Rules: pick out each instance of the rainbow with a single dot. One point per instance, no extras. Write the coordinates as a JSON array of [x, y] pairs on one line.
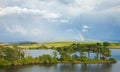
[[82, 37]]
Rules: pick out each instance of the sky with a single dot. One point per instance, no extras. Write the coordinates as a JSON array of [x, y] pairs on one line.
[[54, 20]]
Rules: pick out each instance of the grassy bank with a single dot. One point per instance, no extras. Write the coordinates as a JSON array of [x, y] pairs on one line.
[[37, 61], [114, 47], [60, 44], [50, 45]]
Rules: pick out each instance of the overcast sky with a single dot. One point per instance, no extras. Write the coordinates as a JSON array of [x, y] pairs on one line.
[[46, 20]]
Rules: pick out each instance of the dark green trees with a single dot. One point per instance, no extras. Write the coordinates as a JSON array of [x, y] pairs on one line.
[[10, 54], [68, 53]]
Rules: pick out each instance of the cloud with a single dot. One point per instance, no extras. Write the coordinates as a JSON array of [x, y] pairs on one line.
[[64, 7], [64, 21], [113, 10], [69, 30], [19, 10], [2, 2], [85, 28], [16, 29], [43, 18]]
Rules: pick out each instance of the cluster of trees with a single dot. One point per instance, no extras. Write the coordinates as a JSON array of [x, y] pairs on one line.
[[82, 52], [24, 43], [16, 56], [9, 55], [41, 59]]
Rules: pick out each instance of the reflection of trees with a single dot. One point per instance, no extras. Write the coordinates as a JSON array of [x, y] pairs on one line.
[[84, 67], [60, 68], [66, 68], [107, 67], [96, 67]]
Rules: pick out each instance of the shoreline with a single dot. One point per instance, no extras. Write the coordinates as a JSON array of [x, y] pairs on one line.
[[22, 64]]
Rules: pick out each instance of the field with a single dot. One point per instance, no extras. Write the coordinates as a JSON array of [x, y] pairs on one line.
[[55, 44], [51, 44]]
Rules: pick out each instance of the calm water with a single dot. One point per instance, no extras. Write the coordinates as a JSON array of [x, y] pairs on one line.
[[65, 67]]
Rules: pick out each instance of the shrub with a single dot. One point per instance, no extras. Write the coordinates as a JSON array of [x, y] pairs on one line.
[[112, 60]]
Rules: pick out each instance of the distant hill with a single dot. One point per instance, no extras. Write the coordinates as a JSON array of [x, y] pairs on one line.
[[59, 43], [24, 43], [51, 44]]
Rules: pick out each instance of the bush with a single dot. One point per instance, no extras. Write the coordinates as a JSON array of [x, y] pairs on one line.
[[4, 62], [112, 60]]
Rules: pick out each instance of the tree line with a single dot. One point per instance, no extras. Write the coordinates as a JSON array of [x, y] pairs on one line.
[[83, 52]]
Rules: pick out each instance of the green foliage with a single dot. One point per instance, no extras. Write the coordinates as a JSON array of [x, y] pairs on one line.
[[106, 43], [4, 62], [9, 55], [67, 53], [24, 43], [112, 60], [47, 59]]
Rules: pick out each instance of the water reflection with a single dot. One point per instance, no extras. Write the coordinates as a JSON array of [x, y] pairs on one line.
[[84, 68], [60, 68], [36, 53]]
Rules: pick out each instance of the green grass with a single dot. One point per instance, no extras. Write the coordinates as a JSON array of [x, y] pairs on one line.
[[114, 47], [59, 44], [55, 44], [51, 44]]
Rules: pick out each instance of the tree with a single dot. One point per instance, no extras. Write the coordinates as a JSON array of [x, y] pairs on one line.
[[10, 54], [106, 44], [106, 53], [98, 50]]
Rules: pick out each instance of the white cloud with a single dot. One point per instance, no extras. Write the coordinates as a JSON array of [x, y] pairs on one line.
[[16, 29], [54, 8], [12, 0], [24, 31], [69, 30], [71, 8], [19, 10], [111, 10], [85, 28], [64, 21]]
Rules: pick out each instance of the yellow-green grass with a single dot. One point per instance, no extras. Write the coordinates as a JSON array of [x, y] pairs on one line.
[[51, 44], [114, 47], [5, 45], [55, 44]]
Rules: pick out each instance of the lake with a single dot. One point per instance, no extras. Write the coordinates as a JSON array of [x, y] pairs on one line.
[[65, 67]]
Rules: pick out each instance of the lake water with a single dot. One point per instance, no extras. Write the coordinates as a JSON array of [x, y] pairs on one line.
[[65, 67]]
